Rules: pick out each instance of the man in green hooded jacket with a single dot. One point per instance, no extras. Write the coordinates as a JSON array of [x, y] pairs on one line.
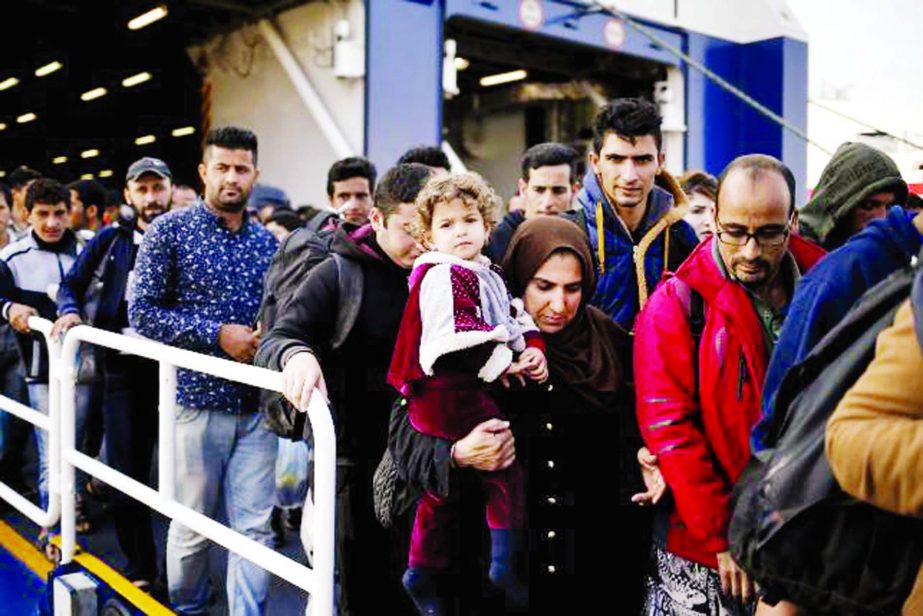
[[856, 187]]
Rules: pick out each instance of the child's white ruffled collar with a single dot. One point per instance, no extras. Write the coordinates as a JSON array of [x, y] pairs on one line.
[[436, 258]]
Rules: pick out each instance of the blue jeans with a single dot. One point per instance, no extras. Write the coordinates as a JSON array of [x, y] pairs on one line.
[[38, 395], [234, 453]]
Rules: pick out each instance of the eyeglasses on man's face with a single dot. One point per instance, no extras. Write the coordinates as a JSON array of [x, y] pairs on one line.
[[771, 236]]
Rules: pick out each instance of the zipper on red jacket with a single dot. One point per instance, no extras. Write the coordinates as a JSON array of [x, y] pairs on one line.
[[741, 375]]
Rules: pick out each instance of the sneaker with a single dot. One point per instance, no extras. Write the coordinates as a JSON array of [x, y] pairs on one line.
[[293, 519], [97, 490]]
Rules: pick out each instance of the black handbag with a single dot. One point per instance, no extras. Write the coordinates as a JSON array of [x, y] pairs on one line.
[[392, 497], [793, 529]]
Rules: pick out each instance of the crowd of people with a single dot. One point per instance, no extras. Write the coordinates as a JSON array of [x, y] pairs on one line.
[[595, 373]]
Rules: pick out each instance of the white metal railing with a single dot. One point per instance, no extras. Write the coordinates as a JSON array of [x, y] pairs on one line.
[[45, 518], [64, 457], [317, 581]]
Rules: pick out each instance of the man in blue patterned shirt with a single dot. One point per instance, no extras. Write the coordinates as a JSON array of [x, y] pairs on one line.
[[198, 285]]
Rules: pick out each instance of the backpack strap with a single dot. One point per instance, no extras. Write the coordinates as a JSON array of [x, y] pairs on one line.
[[696, 326], [696, 315], [694, 307], [351, 287], [322, 220], [580, 218], [104, 263], [94, 289]]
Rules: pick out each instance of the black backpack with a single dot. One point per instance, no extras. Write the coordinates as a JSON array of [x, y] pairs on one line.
[[793, 529], [298, 254]]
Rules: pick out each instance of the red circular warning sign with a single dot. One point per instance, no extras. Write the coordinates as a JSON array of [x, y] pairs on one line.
[[532, 14], [614, 33]]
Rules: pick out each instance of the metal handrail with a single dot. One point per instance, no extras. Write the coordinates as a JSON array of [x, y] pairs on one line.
[[318, 581], [51, 424]]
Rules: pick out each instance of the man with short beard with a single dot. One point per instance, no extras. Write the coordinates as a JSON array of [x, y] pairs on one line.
[[698, 392], [130, 382], [635, 229], [636, 234], [198, 285]]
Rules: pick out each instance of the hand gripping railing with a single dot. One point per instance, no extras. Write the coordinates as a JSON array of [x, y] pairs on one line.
[[317, 581], [51, 424]]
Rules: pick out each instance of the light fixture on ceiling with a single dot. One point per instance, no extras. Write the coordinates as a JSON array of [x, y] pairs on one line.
[[461, 63], [26, 117], [2, 126], [105, 173], [86, 176], [48, 69], [93, 94], [59, 160], [183, 131], [89, 153], [134, 80], [146, 19], [145, 139], [8, 83], [499, 78]]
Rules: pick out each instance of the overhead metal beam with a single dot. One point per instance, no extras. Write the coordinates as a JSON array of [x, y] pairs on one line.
[[247, 10], [228, 5], [306, 91]]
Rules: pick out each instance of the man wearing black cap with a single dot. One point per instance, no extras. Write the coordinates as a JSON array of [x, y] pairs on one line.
[[130, 402]]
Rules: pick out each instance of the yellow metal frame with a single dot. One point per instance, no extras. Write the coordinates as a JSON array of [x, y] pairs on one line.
[[24, 551]]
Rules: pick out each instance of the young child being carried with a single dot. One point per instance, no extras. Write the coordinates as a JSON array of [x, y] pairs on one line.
[[461, 332]]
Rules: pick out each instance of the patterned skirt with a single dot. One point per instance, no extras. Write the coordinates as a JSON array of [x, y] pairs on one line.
[[680, 587]]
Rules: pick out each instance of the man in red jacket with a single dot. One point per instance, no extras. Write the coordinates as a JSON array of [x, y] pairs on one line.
[[703, 343]]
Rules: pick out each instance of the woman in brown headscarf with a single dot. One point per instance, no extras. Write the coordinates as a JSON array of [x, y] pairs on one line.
[[548, 264], [567, 431]]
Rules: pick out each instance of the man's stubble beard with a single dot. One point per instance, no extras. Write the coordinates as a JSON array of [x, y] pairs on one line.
[[616, 203], [148, 218], [232, 207]]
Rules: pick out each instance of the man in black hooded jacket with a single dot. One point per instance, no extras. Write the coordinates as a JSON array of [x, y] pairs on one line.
[[299, 344]]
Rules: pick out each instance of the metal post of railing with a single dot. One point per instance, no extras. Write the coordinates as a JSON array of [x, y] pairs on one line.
[[17, 500], [67, 360], [319, 580], [324, 491], [166, 446], [49, 422], [56, 489]]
